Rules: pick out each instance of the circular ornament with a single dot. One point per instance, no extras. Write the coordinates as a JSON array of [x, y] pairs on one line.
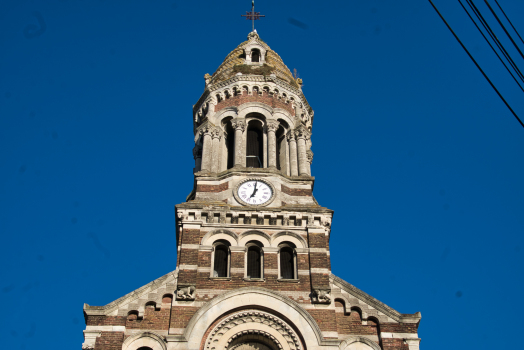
[[254, 192]]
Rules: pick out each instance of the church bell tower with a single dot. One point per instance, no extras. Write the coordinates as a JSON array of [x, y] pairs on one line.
[[253, 267], [252, 213]]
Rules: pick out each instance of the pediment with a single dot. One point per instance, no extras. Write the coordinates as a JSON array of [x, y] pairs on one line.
[[370, 307], [137, 299]]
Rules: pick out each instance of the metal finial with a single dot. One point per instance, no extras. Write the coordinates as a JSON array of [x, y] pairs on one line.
[[253, 16]]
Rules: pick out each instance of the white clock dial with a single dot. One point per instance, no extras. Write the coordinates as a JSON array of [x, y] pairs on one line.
[[255, 192]]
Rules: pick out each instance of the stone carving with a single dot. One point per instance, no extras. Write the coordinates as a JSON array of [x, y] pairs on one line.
[[253, 318], [206, 129], [272, 125], [238, 124], [302, 133], [234, 219], [207, 78], [273, 220], [186, 293], [290, 136], [309, 154], [322, 296], [216, 133], [285, 220], [88, 346]]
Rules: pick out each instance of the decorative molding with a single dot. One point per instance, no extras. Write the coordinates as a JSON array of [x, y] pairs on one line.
[[251, 320], [145, 339], [359, 339]]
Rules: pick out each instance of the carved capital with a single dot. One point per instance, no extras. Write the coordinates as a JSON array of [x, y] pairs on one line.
[[302, 133], [88, 346], [206, 129], [238, 124], [291, 136], [216, 133], [186, 292], [272, 125], [322, 295]]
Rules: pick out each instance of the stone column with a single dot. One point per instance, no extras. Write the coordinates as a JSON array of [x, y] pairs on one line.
[[197, 154], [293, 163], [207, 149], [272, 127], [239, 125], [303, 164], [215, 162]]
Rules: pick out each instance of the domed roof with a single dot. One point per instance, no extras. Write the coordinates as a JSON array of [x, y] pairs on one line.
[[235, 62]]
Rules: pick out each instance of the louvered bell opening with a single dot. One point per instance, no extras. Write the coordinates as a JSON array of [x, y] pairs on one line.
[[253, 263], [286, 264], [220, 266], [230, 145], [255, 56], [254, 148]]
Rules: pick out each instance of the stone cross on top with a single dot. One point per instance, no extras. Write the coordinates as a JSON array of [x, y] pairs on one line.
[[252, 15]]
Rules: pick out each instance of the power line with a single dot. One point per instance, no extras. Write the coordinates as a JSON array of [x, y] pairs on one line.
[[502, 25], [476, 64], [495, 51], [494, 38], [509, 21]]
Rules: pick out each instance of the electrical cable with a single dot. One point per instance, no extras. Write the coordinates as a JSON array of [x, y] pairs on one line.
[[476, 64], [509, 21], [495, 39], [495, 51], [503, 27]]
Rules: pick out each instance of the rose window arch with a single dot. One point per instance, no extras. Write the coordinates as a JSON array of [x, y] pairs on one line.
[[252, 330]]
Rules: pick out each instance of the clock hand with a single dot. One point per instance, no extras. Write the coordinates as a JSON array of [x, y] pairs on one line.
[[254, 191]]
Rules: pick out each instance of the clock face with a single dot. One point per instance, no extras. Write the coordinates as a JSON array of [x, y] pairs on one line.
[[255, 192]]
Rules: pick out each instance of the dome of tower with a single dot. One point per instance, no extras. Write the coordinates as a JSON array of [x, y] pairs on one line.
[[239, 61]]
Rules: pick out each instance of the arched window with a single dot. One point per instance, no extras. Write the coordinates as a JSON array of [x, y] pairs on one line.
[[221, 259], [254, 151], [254, 260], [255, 55], [288, 261], [230, 144]]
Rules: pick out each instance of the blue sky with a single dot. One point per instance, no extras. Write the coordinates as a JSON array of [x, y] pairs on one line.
[[414, 151]]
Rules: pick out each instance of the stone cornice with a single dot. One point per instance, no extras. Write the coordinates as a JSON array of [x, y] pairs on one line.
[[253, 78], [137, 293], [378, 305]]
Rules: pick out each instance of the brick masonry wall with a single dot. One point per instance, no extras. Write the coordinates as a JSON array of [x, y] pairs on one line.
[[153, 319], [110, 341], [317, 240], [296, 191], [190, 236], [394, 344], [325, 318], [399, 327], [105, 320], [238, 100], [180, 315], [350, 323], [213, 188]]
